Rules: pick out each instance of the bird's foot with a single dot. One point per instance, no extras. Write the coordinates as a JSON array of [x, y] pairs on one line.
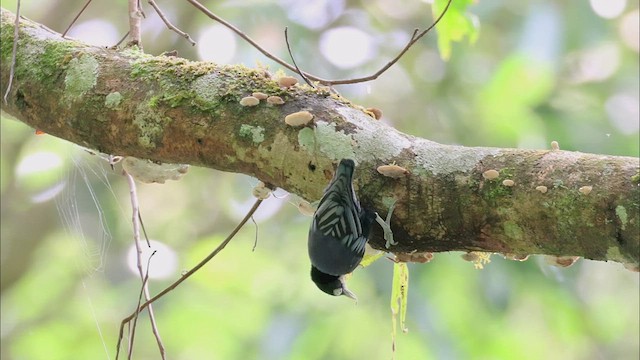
[[386, 226]]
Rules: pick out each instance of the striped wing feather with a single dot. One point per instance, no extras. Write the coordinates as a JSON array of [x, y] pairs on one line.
[[338, 217]]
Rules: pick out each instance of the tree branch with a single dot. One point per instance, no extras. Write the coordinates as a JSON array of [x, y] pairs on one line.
[[135, 19], [174, 110]]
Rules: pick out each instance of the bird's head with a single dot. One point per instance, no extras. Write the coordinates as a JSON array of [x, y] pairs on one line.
[[331, 284]]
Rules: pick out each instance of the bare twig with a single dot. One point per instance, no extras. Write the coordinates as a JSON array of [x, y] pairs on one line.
[[255, 242], [13, 51], [144, 231], [188, 273], [135, 16], [144, 16], [121, 40], [145, 287], [415, 37], [169, 24], [286, 39], [76, 18], [246, 38], [135, 320]]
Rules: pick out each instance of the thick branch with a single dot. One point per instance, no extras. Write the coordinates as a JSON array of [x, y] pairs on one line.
[[173, 110]]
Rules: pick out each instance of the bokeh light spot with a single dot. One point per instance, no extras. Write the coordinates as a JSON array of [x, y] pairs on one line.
[[628, 29], [216, 44], [623, 112], [346, 47], [38, 162], [162, 265], [608, 9], [95, 32]]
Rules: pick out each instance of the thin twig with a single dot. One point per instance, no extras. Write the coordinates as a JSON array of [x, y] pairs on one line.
[[286, 39], [144, 16], [16, 31], [255, 242], [246, 38], [135, 16], [135, 320], [169, 24], [413, 40], [136, 237], [415, 37], [121, 40], [188, 273], [76, 18], [144, 231]]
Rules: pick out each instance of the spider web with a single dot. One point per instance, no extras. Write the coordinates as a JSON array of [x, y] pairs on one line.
[[81, 212], [87, 223]]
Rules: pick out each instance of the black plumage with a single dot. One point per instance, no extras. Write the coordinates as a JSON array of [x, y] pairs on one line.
[[338, 233]]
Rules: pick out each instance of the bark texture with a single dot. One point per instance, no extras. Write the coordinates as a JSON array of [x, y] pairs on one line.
[[170, 109]]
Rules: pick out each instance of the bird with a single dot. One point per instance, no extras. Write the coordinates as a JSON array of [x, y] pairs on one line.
[[339, 232]]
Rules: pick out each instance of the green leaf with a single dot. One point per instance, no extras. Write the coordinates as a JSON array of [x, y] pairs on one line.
[[455, 25]]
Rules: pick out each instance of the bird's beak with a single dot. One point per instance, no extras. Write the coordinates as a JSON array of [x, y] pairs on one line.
[[346, 292]]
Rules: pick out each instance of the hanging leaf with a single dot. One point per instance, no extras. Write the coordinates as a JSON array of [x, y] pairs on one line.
[[399, 294]]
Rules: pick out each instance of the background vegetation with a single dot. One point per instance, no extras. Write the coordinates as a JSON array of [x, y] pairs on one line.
[[538, 71]]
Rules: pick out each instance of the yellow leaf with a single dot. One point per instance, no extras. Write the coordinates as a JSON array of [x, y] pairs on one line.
[[399, 295]]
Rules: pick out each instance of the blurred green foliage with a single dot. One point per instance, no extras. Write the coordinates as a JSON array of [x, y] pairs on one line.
[[537, 71], [457, 25]]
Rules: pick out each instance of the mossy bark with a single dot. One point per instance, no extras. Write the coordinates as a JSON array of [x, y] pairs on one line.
[[174, 110]]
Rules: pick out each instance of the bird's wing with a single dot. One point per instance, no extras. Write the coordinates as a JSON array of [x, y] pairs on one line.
[[338, 218]]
